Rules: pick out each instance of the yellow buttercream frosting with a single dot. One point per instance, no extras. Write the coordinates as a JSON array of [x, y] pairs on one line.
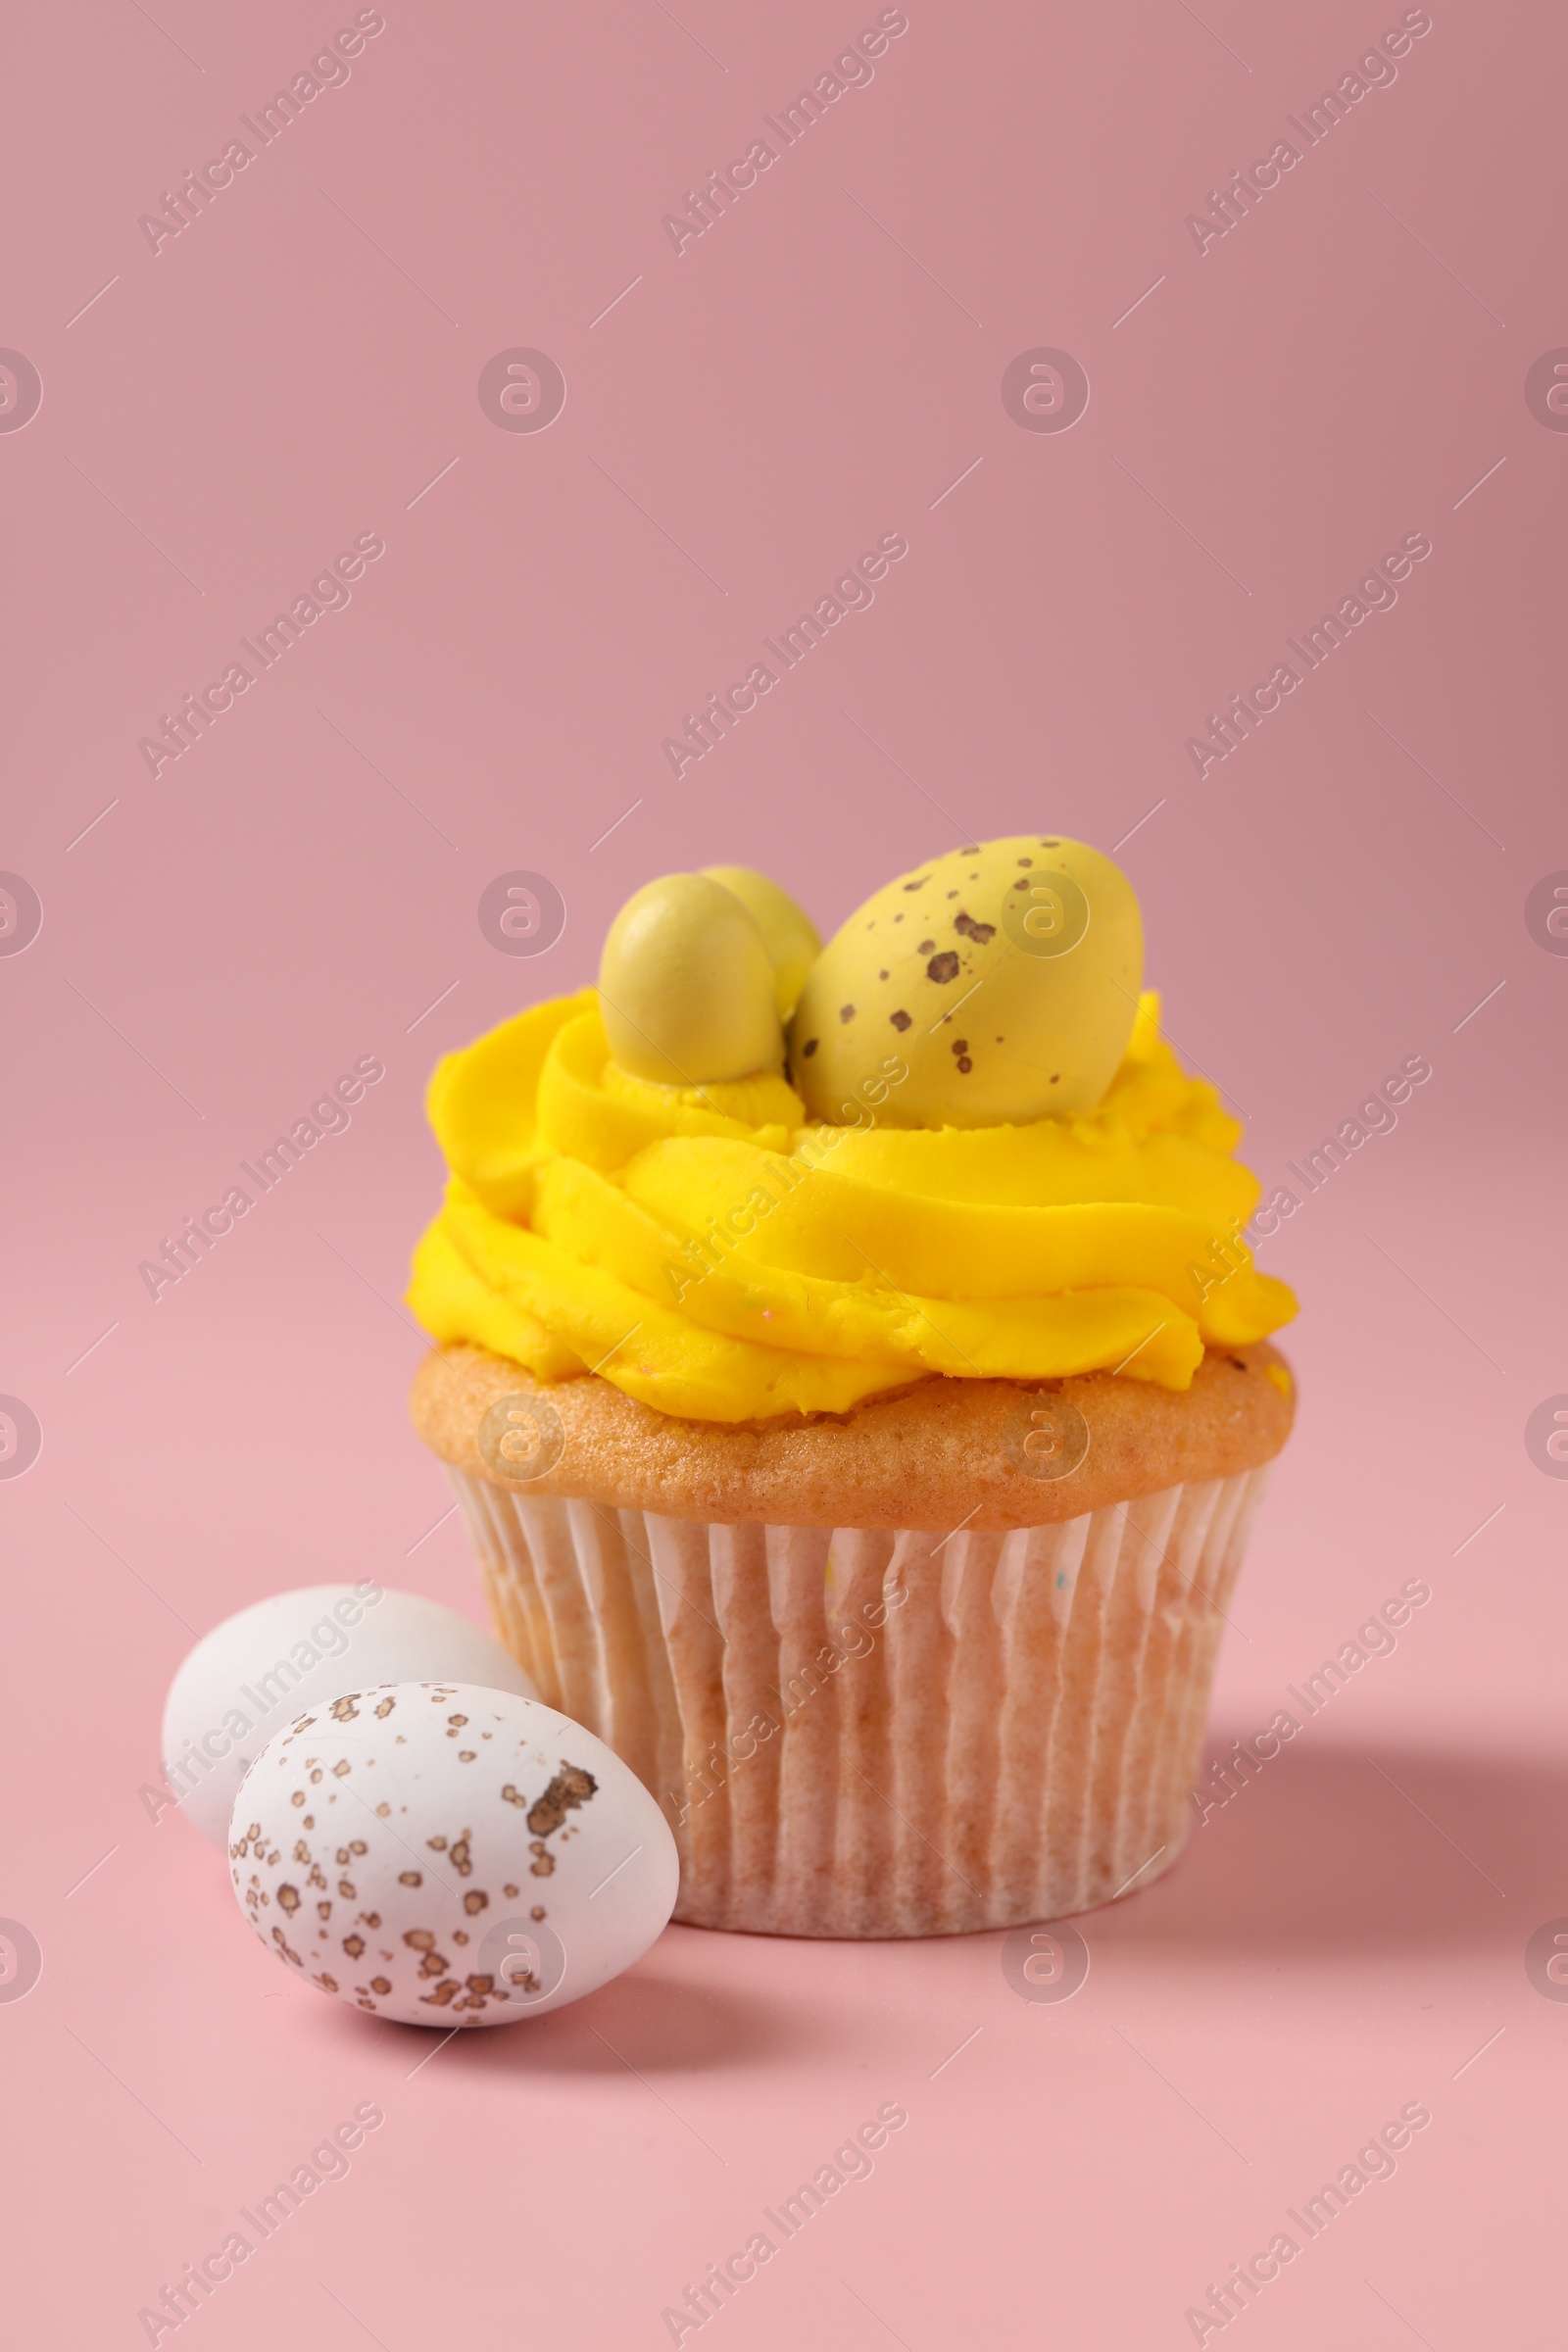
[[718, 1255]]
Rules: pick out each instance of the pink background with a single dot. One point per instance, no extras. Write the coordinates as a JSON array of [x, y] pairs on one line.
[[300, 889]]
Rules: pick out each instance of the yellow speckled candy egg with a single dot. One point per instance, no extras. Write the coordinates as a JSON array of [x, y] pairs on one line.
[[1005, 976]]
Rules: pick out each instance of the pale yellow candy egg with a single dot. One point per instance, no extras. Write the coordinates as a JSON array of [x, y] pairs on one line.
[[1005, 977], [790, 936], [686, 986]]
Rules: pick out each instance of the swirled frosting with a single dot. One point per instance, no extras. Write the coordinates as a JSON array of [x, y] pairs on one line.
[[718, 1256]]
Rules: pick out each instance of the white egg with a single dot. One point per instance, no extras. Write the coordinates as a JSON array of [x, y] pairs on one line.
[[449, 1855], [253, 1674]]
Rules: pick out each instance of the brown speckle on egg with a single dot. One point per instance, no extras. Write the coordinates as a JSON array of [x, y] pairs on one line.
[[568, 1788], [982, 934]]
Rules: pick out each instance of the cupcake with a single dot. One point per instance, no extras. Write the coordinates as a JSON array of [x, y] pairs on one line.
[[855, 1376]]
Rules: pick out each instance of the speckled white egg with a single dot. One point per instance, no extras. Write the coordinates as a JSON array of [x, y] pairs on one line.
[[253, 1674], [449, 1855]]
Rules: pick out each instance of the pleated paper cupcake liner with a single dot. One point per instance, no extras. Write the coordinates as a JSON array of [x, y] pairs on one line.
[[864, 1731]]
